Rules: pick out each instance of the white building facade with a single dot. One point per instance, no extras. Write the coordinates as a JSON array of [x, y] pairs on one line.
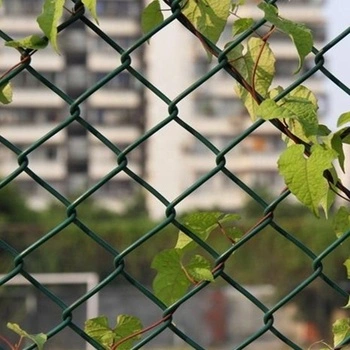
[[172, 159]]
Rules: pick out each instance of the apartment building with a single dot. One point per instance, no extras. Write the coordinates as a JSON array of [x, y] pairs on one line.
[[214, 111], [74, 159]]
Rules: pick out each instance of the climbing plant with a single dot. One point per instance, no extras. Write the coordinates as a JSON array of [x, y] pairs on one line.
[[309, 163]]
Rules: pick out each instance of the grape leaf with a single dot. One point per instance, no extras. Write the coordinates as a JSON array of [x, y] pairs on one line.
[[347, 265], [241, 24], [171, 282], [341, 221], [98, 329], [229, 218], [6, 93], [257, 67], [341, 330], [91, 6], [199, 268], [300, 109], [38, 339], [299, 33], [48, 20], [304, 176], [34, 42], [151, 16], [203, 224], [209, 17], [343, 119], [334, 141], [127, 325]]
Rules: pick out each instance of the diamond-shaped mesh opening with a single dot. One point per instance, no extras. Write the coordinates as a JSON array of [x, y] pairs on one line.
[[92, 119]]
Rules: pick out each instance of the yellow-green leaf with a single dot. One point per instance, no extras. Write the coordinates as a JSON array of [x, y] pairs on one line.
[[171, 282], [304, 176], [151, 17], [91, 6], [127, 325], [98, 329], [241, 24], [299, 33], [48, 20], [34, 42], [257, 67], [199, 268], [343, 119], [301, 109], [209, 17], [341, 221], [341, 330], [347, 265], [6, 94], [38, 339]]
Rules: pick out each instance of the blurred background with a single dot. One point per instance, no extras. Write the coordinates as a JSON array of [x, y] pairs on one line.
[[121, 211]]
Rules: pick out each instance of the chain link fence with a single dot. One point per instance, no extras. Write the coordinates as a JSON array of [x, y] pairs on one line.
[[120, 271]]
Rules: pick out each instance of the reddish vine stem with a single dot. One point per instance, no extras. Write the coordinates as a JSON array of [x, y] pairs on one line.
[[23, 59], [239, 78], [5, 341], [142, 331], [264, 39]]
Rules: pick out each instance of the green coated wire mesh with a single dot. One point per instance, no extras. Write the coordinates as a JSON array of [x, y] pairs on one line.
[[75, 107]]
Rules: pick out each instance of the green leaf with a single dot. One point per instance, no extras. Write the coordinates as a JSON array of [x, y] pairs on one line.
[[38, 339], [257, 67], [151, 17], [299, 33], [304, 176], [209, 17], [199, 268], [341, 330], [234, 233], [240, 25], [202, 224], [341, 221], [171, 282], [343, 119], [229, 218], [34, 42], [91, 6], [235, 53], [48, 20], [347, 265], [126, 326], [299, 108], [6, 94], [335, 142], [98, 329]]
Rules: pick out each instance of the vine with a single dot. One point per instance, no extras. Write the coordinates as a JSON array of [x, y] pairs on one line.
[[307, 164]]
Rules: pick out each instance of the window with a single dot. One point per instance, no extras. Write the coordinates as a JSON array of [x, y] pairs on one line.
[[23, 7], [218, 106], [25, 79], [121, 81], [122, 41], [113, 117], [117, 188], [43, 153], [28, 116], [118, 8]]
